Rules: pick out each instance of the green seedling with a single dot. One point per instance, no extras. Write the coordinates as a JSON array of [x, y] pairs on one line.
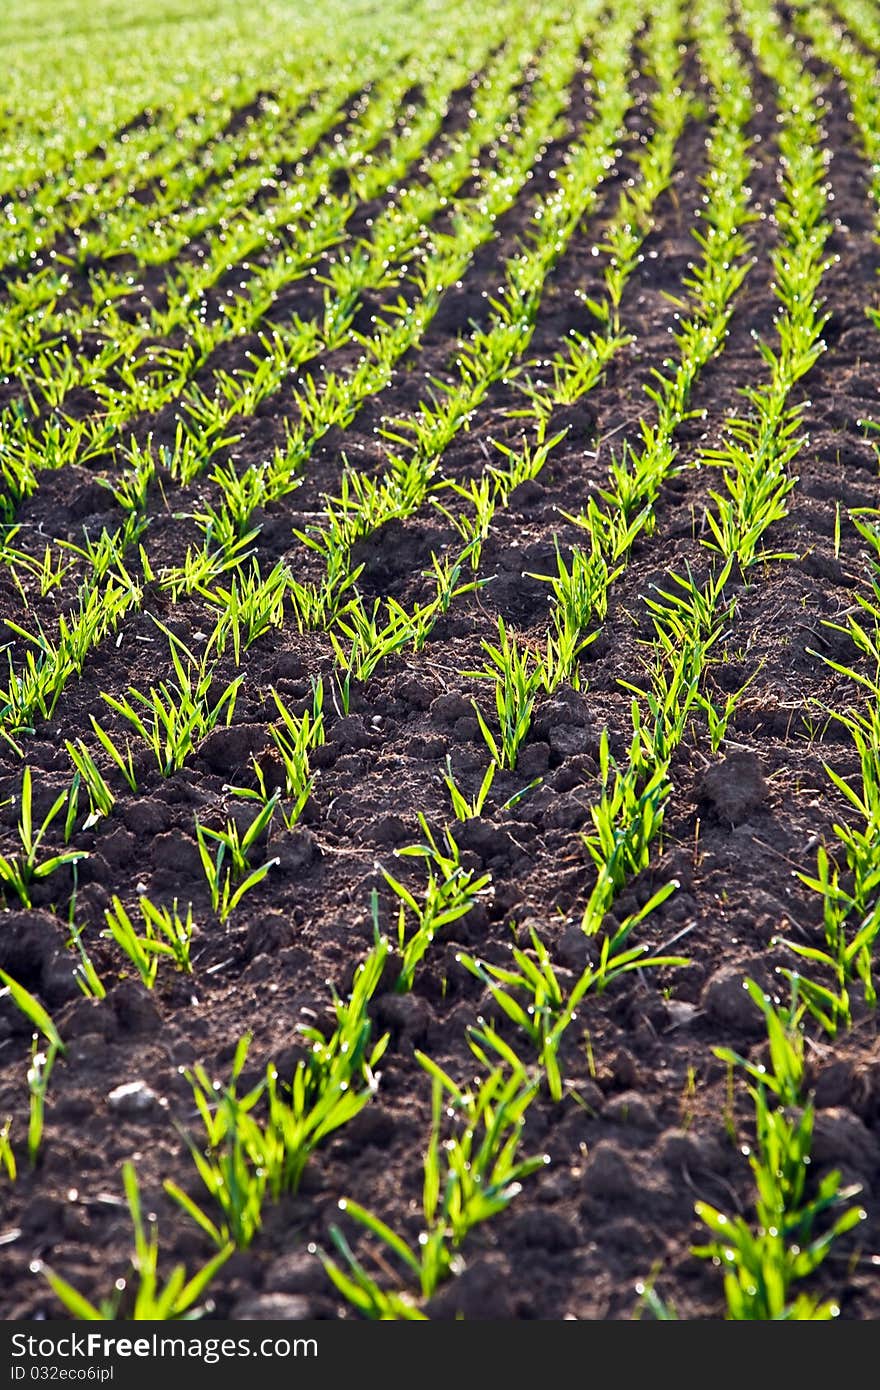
[[174, 716], [294, 739], [517, 678], [7, 1156], [101, 799], [249, 608], [35, 687], [450, 892], [48, 572], [469, 1177], [165, 934], [32, 1009], [579, 598], [850, 934], [795, 1231], [124, 761], [532, 997], [249, 1158], [19, 872], [141, 1296], [234, 846], [474, 526], [851, 895], [464, 809], [39, 1072], [718, 716], [85, 974]]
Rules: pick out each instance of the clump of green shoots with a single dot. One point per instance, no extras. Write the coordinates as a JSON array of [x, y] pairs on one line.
[[245, 1158], [517, 677], [794, 1231], [579, 598], [42, 1062], [688, 621], [469, 1176], [101, 798], [450, 892], [249, 608], [627, 819], [464, 809], [375, 635], [19, 872], [534, 999], [85, 974], [851, 895], [228, 870], [32, 1009], [294, 739], [174, 716], [35, 686], [148, 1299], [165, 933], [39, 1072]]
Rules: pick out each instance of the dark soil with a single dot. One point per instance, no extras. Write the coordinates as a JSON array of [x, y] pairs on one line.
[[649, 1125]]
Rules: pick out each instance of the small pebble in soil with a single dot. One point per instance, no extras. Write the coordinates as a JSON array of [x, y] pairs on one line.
[[134, 1098], [680, 1013]]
